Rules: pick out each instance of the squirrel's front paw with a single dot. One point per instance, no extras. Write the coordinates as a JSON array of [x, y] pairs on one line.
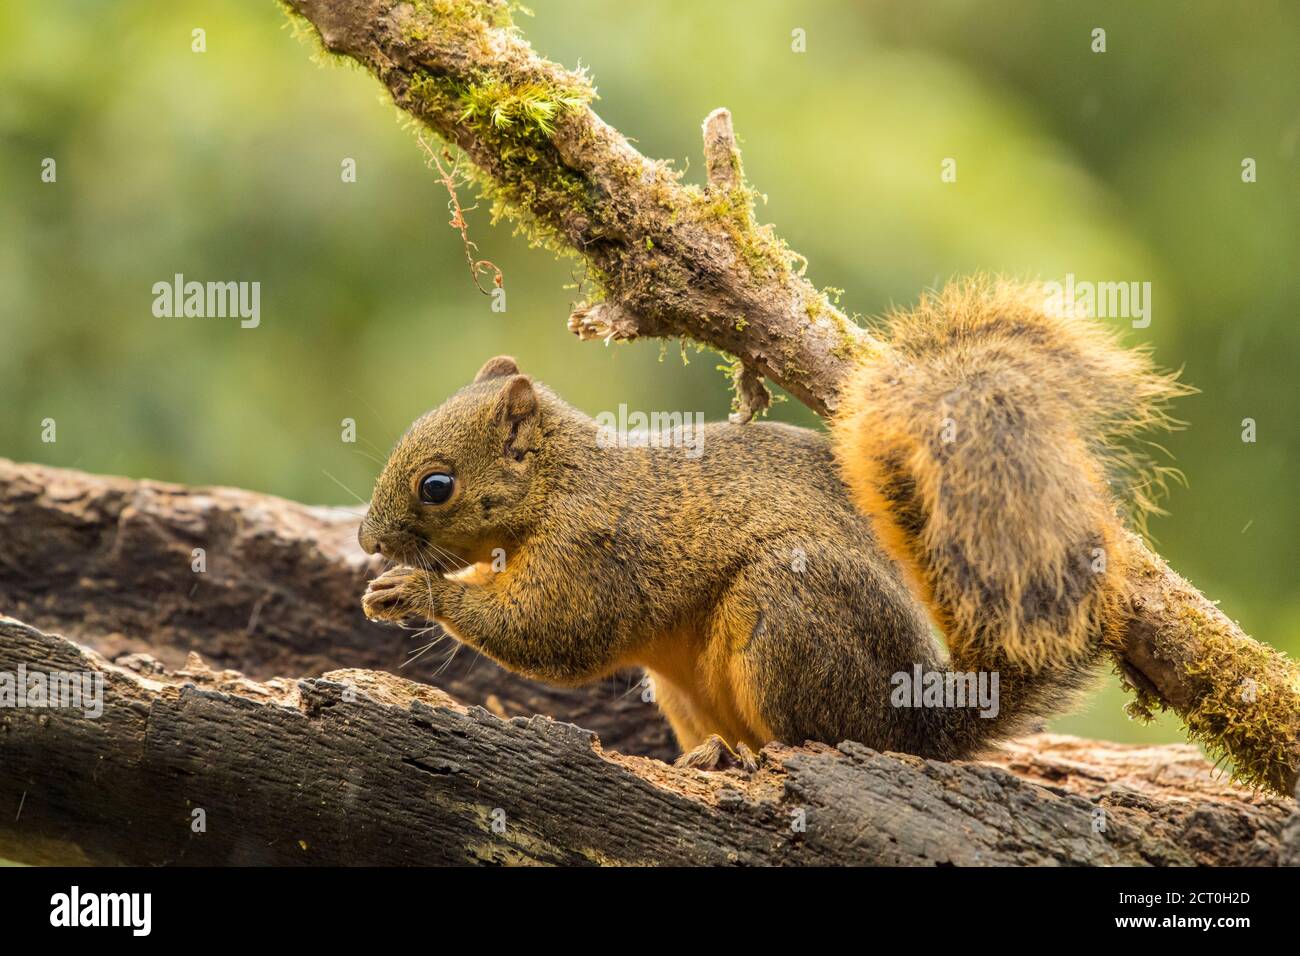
[[396, 595]]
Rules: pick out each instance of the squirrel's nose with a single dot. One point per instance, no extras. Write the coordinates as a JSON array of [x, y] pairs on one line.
[[369, 542]]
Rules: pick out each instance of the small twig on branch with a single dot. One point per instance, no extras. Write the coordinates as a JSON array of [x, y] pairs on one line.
[[751, 397], [605, 321], [721, 156]]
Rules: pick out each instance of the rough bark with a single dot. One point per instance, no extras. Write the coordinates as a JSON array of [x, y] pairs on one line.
[[676, 260], [360, 767]]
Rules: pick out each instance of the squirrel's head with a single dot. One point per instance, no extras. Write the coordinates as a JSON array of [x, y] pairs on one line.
[[456, 485]]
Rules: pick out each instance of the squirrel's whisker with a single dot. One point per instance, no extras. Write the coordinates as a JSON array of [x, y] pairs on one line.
[[344, 487]]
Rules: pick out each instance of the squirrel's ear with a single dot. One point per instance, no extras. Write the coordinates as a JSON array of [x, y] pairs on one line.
[[498, 367], [517, 414], [517, 400]]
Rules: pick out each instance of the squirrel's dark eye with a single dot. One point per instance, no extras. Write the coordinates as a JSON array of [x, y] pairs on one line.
[[435, 489]]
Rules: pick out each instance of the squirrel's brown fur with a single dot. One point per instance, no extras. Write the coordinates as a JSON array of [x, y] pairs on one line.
[[985, 443], [763, 602]]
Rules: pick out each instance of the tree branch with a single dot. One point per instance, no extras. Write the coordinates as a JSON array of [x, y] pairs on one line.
[[684, 261], [676, 260]]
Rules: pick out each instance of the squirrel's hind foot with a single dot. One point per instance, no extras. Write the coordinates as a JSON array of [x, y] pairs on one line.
[[715, 754]]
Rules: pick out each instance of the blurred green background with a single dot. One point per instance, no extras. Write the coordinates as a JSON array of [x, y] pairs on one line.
[[225, 165]]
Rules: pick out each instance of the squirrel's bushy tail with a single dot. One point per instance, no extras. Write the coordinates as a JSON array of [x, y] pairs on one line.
[[986, 444]]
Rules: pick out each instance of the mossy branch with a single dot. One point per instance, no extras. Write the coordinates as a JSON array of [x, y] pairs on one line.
[[677, 260], [671, 259]]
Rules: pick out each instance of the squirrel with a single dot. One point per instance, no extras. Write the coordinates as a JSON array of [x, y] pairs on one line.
[[784, 584]]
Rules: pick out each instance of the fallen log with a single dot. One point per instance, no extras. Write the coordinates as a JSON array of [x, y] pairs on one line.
[[361, 767]]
